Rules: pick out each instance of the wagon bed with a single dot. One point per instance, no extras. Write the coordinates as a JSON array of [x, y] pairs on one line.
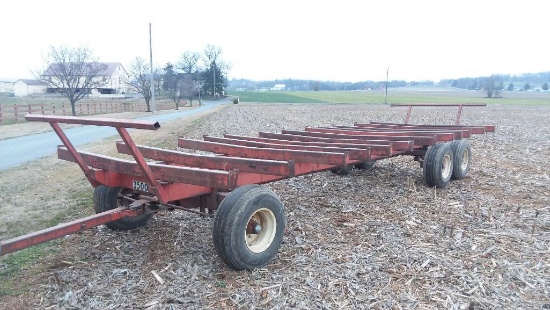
[[223, 181]]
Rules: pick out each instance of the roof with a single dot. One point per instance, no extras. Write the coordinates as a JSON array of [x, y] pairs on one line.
[[32, 82], [110, 68]]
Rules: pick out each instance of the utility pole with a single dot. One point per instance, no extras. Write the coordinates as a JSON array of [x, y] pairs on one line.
[[387, 74], [151, 65]]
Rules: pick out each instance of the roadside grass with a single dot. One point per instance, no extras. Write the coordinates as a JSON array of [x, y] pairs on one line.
[[13, 264], [11, 122], [81, 205]]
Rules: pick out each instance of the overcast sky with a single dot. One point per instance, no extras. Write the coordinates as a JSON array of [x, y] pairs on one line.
[[263, 40]]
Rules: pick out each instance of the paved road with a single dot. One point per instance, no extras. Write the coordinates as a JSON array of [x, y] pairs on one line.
[[16, 151]]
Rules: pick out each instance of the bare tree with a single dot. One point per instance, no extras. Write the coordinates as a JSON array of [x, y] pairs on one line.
[[186, 86], [189, 62], [211, 54], [214, 73], [73, 72], [140, 79], [492, 86]]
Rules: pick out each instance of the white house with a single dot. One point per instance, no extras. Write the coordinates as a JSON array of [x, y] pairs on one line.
[[24, 87], [116, 79], [6, 86], [113, 79], [278, 87]]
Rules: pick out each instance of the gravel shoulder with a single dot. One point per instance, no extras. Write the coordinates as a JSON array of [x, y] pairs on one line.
[[372, 239]]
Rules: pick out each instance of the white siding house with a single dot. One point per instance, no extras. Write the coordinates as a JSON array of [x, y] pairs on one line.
[[116, 79], [6, 86], [23, 88], [278, 87], [113, 80]]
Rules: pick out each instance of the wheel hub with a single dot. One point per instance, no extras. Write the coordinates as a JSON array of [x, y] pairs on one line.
[[257, 229], [253, 228], [446, 167], [465, 160], [260, 231]]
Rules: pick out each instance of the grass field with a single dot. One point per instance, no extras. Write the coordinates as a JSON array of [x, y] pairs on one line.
[[271, 97], [398, 95]]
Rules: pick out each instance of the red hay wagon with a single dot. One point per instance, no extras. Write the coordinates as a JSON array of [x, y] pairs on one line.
[[249, 221]]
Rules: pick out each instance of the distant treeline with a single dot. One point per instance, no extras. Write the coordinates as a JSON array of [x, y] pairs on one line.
[[310, 85], [520, 80]]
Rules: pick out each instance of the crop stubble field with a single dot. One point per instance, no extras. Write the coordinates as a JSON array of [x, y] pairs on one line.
[[373, 239]]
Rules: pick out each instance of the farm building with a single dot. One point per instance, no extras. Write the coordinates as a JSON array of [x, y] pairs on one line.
[[278, 87], [6, 86], [22, 87], [114, 79]]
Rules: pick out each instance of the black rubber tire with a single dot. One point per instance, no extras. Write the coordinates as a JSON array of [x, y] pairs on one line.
[[232, 218], [366, 165], [344, 170], [221, 214], [462, 158], [438, 165], [106, 198]]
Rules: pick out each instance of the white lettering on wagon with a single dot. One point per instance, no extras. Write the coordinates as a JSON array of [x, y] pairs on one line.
[[140, 186]]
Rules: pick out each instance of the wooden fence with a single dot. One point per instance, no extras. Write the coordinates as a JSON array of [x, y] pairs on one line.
[[16, 112]]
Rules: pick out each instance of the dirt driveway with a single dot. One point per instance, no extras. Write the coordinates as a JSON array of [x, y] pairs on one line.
[[373, 239]]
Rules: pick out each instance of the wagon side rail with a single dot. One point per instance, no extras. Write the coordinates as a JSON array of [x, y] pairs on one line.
[[307, 161], [246, 170], [121, 127], [459, 105], [482, 129]]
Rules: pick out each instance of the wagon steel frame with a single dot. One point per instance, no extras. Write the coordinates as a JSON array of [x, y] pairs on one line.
[[168, 179]]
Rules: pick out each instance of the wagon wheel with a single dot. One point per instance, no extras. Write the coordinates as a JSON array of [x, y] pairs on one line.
[[462, 154], [344, 170], [107, 198], [366, 165], [249, 227], [438, 165]]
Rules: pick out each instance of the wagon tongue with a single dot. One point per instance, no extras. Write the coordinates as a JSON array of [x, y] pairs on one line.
[[138, 204], [34, 238]]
